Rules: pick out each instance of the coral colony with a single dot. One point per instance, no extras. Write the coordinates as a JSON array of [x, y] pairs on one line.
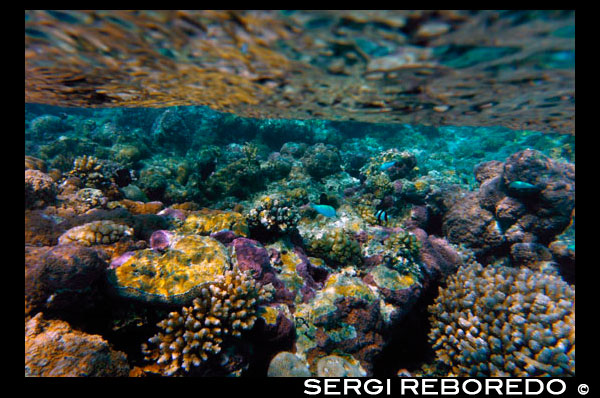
[[314, 194]]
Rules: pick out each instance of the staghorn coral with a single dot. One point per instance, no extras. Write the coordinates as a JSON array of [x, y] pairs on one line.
[[224, 308], [501, 321], [174, 276], [272, 216], [95, 233]]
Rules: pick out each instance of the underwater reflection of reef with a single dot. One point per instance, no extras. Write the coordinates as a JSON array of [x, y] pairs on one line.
[[487, 68]]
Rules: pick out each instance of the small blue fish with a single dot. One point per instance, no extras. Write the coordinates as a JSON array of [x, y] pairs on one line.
[[325, 210], [387, 165], [382, 217], [522, 188]]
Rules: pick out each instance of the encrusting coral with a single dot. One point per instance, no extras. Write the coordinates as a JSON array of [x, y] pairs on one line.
[[224, 308], [188, 263], [501, 321]]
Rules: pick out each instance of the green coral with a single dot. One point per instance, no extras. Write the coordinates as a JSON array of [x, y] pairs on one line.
[[338, 247]]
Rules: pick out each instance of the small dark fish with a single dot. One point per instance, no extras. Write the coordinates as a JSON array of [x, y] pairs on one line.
[[382, 217]]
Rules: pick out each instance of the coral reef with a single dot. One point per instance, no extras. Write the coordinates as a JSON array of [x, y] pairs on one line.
[[500, 321], [503, 213], [250, 242], [223, 309]]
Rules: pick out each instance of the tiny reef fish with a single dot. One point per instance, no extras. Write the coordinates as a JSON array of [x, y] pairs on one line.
[[325, 210]]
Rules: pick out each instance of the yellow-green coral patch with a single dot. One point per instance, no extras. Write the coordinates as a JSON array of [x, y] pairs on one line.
[[173, 276], [207, 221]]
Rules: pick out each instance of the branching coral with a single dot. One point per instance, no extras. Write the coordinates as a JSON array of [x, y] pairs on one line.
[[223, 309], [272, 216], [501, 321]]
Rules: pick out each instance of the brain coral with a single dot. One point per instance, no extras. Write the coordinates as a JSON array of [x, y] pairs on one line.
[[501, 321], [95, 233], [223, 308], [174, 276]]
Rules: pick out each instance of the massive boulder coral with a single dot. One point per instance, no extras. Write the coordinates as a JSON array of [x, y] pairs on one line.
[[528, 199], [321, 160], [223, 309], [96, 233], [63, 278], [172, 276], [501, 321], [53, 348], [207, 221]]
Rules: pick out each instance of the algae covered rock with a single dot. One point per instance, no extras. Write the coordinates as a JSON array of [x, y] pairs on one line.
[[40, 189], [64, 278], [53, 348], [287, 364]]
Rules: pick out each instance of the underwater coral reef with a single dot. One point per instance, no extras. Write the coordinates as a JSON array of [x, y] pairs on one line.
[[232, 256], [295, 193]]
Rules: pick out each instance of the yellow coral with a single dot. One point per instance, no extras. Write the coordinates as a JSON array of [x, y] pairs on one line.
[[174, 276], [207, 221]]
